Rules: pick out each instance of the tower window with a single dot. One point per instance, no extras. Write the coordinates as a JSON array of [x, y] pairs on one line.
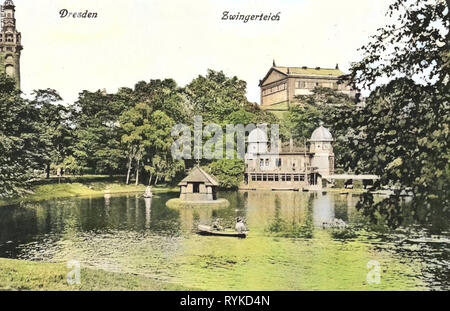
[[9, 70]]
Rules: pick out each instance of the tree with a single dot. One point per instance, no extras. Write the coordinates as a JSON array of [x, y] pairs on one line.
[[216, 96], [19, 139], [230, 173], [328, 106], [147, 137], [164, 95], [53, 124], [98, 146], [402, 133]]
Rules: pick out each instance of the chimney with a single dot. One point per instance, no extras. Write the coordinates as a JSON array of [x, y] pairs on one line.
[[337, 66], [274, 65]]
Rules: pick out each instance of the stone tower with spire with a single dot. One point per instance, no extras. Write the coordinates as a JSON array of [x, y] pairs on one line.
[[10, 42]]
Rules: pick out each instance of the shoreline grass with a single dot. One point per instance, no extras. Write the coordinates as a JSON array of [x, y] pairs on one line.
[[20, 275]]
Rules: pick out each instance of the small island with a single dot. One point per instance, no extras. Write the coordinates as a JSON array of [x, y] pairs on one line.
[[198, 189]]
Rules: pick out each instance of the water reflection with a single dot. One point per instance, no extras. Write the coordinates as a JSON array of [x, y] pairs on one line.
[[323, 209], [128, 233], [148, 209]]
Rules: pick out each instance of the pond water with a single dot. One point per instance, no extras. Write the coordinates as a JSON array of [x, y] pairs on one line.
[[287, 247]]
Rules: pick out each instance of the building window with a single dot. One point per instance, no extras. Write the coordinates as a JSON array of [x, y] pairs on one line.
[[283, 177], [278, 162], [261, 162], [300, 84], [288, 177], [302, 177], [267, 162], [270, 177], [296, 178], [196, 188], [253, 178], [276, 178], [258, 177]]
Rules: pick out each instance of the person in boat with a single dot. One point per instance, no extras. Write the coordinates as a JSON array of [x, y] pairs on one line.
[[240, 225], [216, 225], [148, 192]]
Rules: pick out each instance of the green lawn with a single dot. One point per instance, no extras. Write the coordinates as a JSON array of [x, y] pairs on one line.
[[26, 276]]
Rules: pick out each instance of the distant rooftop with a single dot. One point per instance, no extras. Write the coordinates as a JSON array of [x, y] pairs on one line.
[[305, 71]]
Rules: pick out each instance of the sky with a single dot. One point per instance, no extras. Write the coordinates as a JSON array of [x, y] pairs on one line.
[[135, 40]]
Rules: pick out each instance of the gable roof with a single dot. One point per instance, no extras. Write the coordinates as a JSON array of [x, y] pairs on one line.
[[199, 175], [304, 72]]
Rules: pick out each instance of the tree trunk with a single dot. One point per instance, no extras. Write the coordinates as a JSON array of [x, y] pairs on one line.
[[47, 171], [150, 179], [156, 180], [137, 173], [129, 170]]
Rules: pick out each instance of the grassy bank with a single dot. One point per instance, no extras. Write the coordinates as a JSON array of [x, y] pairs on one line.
[[69, 190], [25, 275]]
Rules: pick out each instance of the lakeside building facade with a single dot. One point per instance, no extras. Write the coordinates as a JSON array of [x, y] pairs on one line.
[[289, 169], [10, 42], [281, 85]]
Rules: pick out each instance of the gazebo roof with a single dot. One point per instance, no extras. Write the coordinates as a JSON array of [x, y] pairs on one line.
[[197, 175]]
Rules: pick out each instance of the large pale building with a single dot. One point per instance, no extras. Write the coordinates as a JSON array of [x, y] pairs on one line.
[[10, 42], [289, 169], [281, 85]]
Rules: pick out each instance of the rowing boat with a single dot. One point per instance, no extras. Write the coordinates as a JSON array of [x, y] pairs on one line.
[[208, 231]]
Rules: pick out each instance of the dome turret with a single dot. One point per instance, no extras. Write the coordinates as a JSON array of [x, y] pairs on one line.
[[257, 136], [321, 134], [257, 142]]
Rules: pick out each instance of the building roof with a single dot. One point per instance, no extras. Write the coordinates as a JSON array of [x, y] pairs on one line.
[[305, 71], [349, 176], [8, 3], [321, 134], [197, 175]]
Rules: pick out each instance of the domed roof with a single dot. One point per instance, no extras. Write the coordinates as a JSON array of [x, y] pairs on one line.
[[321, 134], [257, 136]]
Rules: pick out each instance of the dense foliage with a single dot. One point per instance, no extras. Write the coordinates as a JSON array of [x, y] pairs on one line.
[[331, 108], [19, 139], [402, 133], [126, 133]]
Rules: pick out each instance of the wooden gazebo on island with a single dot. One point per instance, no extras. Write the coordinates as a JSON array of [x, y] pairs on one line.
[[198, 186], [198, 189]]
